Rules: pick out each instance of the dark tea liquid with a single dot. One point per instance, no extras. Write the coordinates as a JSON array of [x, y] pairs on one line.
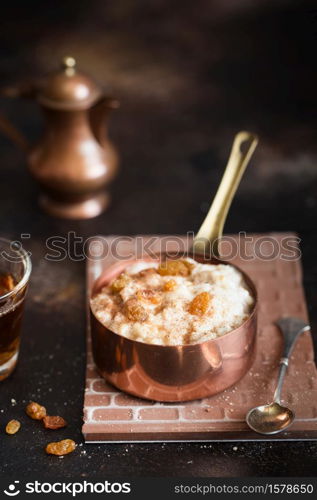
[[10, 323]]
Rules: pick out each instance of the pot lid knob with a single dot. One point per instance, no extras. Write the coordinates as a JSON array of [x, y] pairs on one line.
[[69, 65], [69, 89]]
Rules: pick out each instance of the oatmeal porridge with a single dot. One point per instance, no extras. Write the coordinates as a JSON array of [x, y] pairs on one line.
[[174, 303]]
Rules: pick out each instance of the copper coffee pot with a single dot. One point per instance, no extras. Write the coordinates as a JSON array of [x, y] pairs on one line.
[[74, 160]]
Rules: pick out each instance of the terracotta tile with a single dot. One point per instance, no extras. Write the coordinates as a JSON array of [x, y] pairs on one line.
[[151, 431], [101, 386], [237, 413], [202, 413], [312, 383], [107, 414], [158, 413], [89, 358], [122, 399], [280, 293], [233, 395], [91, 372], [97, 399]]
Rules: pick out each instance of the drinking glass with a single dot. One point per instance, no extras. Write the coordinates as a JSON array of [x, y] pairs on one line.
[[15, 270]]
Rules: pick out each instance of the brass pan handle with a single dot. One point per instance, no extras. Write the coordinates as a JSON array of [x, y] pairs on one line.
[[211, 229]]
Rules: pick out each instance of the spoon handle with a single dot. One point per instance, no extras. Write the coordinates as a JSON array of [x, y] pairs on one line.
[[212, 227], [291, 328]]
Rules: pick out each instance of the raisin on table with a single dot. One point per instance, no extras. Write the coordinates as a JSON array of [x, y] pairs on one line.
[[54, 422], [61, 448], [35, 411], [12, 427]]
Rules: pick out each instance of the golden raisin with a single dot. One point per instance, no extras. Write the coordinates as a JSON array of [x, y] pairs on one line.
[[12, 427], [200, 304], [134, 311], [175, 268], [119, 283], [54, 422], [149, 295], [169, 285], [35, 411], [61, 448]]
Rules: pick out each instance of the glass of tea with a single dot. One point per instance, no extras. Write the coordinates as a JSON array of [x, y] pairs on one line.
[[15, 269]]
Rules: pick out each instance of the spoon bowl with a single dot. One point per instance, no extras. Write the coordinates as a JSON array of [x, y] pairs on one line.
[[270, 419], [274, 418]]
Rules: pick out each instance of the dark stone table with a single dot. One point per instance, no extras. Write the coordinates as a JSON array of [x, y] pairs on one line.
[[189, 76]]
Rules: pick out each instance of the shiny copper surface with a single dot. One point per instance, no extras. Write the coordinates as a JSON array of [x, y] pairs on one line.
[[173, 373], [74, 161]]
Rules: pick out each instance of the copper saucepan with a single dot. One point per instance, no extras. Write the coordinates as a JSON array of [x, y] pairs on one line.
[[191, 371]]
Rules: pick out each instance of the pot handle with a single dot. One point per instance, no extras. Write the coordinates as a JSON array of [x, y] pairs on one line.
[[211, 229], [8, 129], [99, 114]]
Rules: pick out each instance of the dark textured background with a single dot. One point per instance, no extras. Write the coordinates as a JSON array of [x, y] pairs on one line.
[[189, 75]]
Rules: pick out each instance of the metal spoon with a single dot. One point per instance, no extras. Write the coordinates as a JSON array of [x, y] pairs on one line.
[[274, 418]]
